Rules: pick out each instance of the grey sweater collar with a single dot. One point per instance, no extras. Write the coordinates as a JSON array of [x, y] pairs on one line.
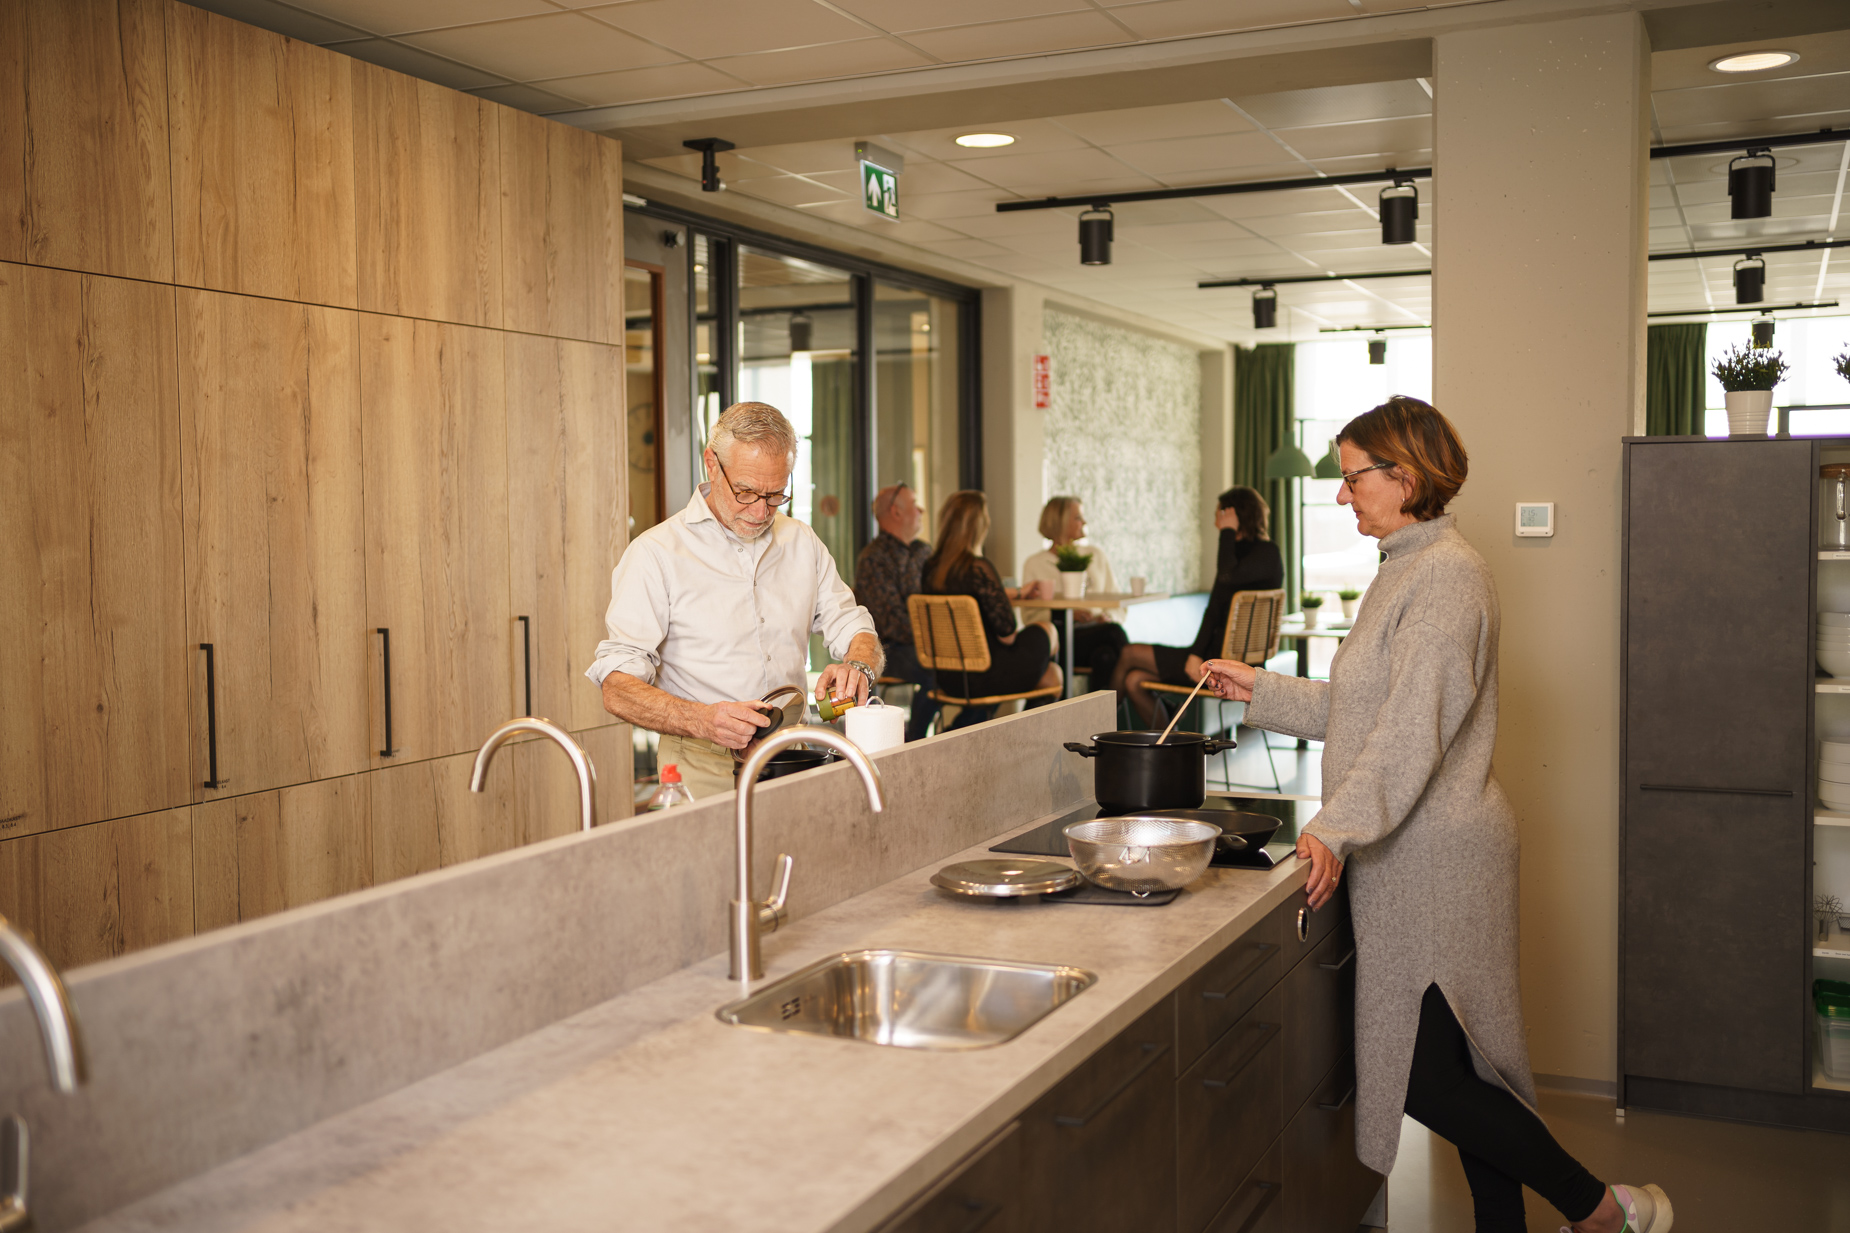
[[1411, 539]]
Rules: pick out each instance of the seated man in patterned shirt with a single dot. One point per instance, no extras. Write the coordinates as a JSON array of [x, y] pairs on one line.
[[885, 574]]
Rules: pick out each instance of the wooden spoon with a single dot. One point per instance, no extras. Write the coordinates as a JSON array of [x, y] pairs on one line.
[[1179, 710]]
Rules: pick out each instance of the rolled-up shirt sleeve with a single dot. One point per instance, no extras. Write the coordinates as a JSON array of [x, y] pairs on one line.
[[838, 617], [636, 623]]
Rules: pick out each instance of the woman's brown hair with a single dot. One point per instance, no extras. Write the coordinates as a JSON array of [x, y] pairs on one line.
[[1254, 514], [1419, 441], [963, 525]]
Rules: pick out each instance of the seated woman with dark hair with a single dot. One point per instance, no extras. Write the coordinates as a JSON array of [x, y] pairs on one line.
[[1247, 561], [1019, 659]]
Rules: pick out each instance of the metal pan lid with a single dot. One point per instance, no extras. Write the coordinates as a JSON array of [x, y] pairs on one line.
[[1006, 879]]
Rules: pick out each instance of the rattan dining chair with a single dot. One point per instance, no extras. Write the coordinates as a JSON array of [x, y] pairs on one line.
[[1252, 638], [947, 633]]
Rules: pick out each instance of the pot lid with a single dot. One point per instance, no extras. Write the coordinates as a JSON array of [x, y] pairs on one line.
[[1006, 879], [785, 706]]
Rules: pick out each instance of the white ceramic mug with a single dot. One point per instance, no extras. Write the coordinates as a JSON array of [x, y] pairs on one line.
[[1137, 586], [876, 726]]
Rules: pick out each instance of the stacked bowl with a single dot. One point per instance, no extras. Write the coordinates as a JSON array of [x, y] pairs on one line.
[[1834, 775], [1834, 642]]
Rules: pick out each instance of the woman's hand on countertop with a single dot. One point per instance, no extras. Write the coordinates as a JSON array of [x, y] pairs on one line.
[[1230, 679], [1325, 870]]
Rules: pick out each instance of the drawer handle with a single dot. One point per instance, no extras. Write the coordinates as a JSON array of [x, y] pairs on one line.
[[1340, 964], [1255, 1051], [984, 1213], [1271, 1191], [212, 780], [526, 659], [385, 655], [1690, 787], [1303, 924], [1347, 1097], [1151, 1053], [1264, 950]]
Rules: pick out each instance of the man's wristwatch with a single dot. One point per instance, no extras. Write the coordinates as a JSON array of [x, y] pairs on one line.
[[864, 670]]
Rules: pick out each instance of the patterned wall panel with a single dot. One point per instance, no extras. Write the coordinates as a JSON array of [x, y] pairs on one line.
[[1124, 436]]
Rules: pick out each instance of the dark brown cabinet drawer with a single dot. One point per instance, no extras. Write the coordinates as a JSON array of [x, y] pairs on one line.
[[982, 1192], [1213, 999], [1099, 1149], [1303, 930], [1326, 1189], [1319, 997], [1229, 1108], [1256, 1205]]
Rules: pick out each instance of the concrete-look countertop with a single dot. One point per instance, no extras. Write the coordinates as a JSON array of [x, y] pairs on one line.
[[646, 1112]]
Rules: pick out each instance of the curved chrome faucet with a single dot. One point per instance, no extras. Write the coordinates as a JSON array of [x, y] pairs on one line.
[[64, 1057], [587, 774], [750, 918]]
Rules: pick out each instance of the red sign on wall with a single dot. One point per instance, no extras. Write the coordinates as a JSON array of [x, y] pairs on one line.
[[1043, 383]]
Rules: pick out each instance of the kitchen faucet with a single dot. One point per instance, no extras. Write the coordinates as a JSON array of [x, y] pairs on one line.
[[587, 776], [750, 918], [51, 1006]]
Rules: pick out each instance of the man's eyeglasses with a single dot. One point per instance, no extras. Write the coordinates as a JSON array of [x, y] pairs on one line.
[[748, 498], [1349, 476]]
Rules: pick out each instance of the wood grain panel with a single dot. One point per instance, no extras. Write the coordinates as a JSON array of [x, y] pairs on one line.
[[95, 161], [275, 537], [428, 199], [425, 817], [92, 617], [262, 161], [567, 511], [561, 229], [434, 421], [12, 132], [258, 854], [614, 758], [94, 892]]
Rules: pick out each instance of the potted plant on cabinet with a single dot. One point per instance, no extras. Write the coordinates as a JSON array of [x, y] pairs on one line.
[[1348, 597], [1843, 365], [1748, 375], [1072, 564], [1313, 610]]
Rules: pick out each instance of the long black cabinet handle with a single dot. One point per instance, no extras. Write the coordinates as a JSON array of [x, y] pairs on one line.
[[385, 651], [1340, 964], [1271, 1030], [1689, 787], [1347, 1097], [1151, 1053], [1264, 950], [526, 659], [1271, 1190], [212, 779]]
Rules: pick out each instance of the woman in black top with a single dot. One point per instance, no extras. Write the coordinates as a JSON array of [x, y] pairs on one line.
[[1247, 561], [1019, 659]]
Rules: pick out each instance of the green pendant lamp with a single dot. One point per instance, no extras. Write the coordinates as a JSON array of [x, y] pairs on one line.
[[1328, 466], [1289, 462]]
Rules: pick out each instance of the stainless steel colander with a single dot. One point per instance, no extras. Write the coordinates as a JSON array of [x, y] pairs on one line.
[[1141, 854]]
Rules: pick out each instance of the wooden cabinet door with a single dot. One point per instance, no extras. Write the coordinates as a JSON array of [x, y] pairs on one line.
[[427, 194], [1319, 1014], [1229, 1107], [982, 1192], [92, 612], [1326, 1189], [434, 429], [425, 817], [262, 853], [275, 539], [567, 512], [262, 161], [561, 229], [83, 137], [612, 752]]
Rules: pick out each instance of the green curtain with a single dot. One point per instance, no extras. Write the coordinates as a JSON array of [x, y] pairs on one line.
[[1264, 418], [1675, 382]]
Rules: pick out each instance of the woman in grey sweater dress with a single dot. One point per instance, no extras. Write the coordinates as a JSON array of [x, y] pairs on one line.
[[1413, 811]]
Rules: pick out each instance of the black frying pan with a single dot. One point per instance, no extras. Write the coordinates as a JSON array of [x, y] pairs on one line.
[[1239, 831]]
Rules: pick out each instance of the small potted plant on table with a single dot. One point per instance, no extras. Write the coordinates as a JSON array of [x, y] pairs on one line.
[[1072, 564], [1348, 597], [1313, 610], [1748, 375]]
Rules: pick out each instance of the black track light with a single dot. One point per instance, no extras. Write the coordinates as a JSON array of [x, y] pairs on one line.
[[800, 323], [709, 165], [1763, 332], [1400, 210], [1095, 236], [1377, 351], [1750, 184], [1265, 307], [1750, 279]]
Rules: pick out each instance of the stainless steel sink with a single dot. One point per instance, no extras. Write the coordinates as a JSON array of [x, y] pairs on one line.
[[911, 1000]]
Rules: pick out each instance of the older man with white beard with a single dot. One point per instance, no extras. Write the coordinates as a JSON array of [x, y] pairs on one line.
[[712, 609]]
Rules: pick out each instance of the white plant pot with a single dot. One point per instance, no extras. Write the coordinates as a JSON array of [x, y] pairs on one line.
[[1748, 412], [1349, 607], [1312, 616], [1073, 584]]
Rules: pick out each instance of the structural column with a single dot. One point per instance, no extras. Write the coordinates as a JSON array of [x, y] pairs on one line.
[[1540, 144], [1014, 433]]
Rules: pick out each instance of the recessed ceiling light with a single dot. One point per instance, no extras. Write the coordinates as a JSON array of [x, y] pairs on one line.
[[1754, 61], [985, 141]]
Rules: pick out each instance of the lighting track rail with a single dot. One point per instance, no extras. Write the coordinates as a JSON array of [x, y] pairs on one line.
[[1367, 329], [1821, 137], [1754, 251], [1310, 278], [1745, 308], [1099, 201]]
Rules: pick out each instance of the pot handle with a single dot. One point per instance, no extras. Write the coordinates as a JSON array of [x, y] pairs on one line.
[[1216, 745], [1084, 751]]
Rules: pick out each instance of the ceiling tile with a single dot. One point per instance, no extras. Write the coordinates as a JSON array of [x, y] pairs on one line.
[[951, 205], [929, 177], [1177, 233], [1026, 222], [540, 48], [802, 158], [1675, 70], [1337, 104], [730, 163], [414, 63], [1076, 166], [405, 16], [1107, 128], [1022, 37], [1226, 155], [1263, 205], [788, 190], [528, 98], [641, 85], [701, 32], [855, 58], [911, 15], [1168, 213], [1362, 138], [1031, 137], [1166, 19], [1285, 169], [1791, 97], [284, 19], [966, 249]]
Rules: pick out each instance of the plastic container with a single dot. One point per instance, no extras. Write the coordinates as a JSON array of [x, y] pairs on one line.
[[672, 792], [1831, 999]]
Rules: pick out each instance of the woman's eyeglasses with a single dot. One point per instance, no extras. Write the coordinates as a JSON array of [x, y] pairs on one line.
[[1349, 476], [748, 498]]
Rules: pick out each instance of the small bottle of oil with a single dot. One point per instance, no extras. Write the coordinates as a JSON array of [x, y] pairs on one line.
[[832, 709]]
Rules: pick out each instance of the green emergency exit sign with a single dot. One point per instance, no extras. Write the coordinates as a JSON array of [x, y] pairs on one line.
[[880, 190]]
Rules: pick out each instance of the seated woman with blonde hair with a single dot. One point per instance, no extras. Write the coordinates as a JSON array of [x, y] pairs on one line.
[[1098, 636], [1019, 659]]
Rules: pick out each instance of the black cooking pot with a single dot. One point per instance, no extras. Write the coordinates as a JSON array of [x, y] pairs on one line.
[[1135, 772], [789, 762]]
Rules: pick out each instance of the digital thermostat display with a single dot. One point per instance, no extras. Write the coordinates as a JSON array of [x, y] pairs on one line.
[[1535, 518]]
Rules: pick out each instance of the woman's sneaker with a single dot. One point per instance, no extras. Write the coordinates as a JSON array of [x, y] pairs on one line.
[[1646, 1208]]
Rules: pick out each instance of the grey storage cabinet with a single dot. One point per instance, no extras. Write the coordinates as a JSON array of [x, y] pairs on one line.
[[1716, 769]]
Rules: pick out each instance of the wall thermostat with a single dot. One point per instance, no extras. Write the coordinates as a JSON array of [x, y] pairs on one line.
[[1535, 518]]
